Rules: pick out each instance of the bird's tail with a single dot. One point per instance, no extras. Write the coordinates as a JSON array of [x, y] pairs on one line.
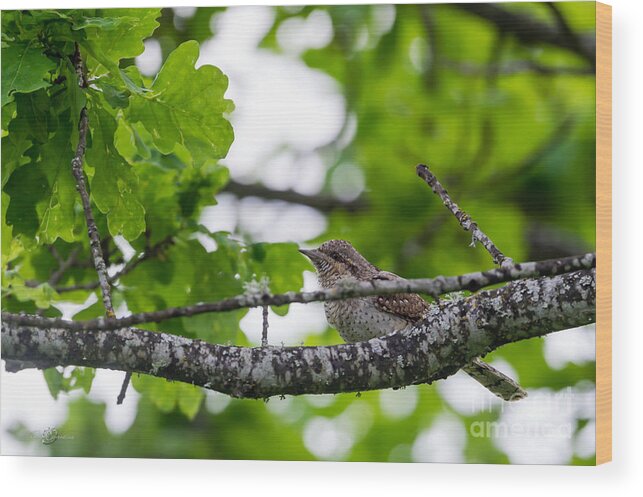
[[496, 382]]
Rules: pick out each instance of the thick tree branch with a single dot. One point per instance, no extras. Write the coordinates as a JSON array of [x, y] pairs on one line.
[[429, 286], [463, 218], [452, 334]]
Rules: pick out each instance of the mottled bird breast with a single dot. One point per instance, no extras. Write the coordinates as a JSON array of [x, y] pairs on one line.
[[359, 319]]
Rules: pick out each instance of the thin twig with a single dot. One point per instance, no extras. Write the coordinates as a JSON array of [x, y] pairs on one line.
[[264, 333], [428, 286], [131, 264], [56, 255], [81, 186], [124, 385], [63, 267], [463, 218]]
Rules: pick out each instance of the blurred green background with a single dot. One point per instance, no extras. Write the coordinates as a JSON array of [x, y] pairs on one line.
[[505, 116]]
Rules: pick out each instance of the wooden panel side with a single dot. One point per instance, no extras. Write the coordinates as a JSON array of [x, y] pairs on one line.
[[604, 233]]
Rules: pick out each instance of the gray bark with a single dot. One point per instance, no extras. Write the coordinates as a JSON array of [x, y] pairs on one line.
[[453, 333]]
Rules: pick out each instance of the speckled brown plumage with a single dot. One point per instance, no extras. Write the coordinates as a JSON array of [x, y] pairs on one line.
[[337, 262]]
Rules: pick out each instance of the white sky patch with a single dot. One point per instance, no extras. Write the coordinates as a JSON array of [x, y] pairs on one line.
[[302, 320], [326, 439], [276, 221], [280, 102], [223, 216], [398, 404], [347, 182], [383, 18], [311, 182], [216, 402], [585, 443], [465, 395], [287, 409], [357, 419], [576, 346], [320, 401], [444, 441], [184, 11], [70, 309], [26, 399], [311, 283], [263, 220], [149, 62], [418, 52], [298, 34], [283, 171], [124, 246], [105, 388], [535, 430]]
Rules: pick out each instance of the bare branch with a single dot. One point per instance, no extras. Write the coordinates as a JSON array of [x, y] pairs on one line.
[[516, 67], [124, 385], [264, 332], [531, 31], [64, 265], [463, 218], [428, 286], [81, 186], [324, 203], [452, 334], [131, 264]]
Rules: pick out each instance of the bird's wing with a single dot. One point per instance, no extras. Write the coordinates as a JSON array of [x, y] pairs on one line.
[[409, 306]]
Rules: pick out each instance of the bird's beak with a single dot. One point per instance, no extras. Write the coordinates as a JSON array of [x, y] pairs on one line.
[[311, 254]]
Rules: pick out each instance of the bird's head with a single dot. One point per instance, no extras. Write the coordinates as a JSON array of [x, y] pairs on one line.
[[338, 259]]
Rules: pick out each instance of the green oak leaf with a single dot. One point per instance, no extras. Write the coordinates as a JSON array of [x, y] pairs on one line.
[[24, 69], [58, 217], [80, 378], [54, 379], [61, 381], [26, 187], [216, 327], [190, 399], [11, 246], [14, 146], [186, 107], [41, 295], [114, 184], [166, 395], [117, 34], [8, 113], [282, 264], [131, 143]]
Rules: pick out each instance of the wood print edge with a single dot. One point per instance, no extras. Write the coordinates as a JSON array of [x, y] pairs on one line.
[[604, 233]]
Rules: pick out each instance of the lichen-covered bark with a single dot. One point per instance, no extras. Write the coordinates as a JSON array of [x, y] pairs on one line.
[[453, 333]]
